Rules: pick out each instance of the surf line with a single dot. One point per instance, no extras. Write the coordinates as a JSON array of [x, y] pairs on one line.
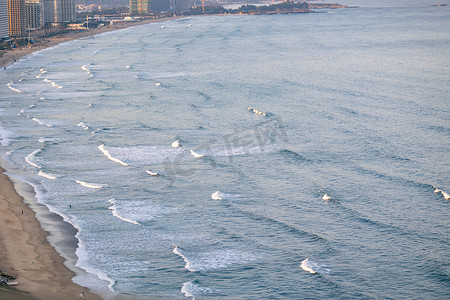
[[110, 157], [116, 214]]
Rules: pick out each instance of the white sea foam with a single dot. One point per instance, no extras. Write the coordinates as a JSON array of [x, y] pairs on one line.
[[147, 155], [116, 214], [13, 89], [83, 125], [446, 196], [152, 173], [176, 144], [31, 157], [5, 137], [90, 185], [257, 112], [41, 122], [217, 259], [47, 175], [108, 155], [326, 197], [312, 267], [217, 195], [83, 261], [190, 289], [81, 253], [196, 155]]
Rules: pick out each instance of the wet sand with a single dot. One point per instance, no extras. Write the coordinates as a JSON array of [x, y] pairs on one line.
[[25, 251], [26, 254]]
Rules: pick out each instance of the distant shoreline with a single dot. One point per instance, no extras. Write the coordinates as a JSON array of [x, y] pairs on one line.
[[8, 57]]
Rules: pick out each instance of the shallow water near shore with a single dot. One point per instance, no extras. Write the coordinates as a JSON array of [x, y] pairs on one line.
[[354, 105]]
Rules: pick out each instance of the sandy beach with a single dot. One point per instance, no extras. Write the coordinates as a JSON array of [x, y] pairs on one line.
[[9, 56], [25, 252]]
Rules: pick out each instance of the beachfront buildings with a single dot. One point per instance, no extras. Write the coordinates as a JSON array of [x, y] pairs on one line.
[[16, 18], [58, 11], [139, 7], [4, 19], [145, 6], [33, 14]]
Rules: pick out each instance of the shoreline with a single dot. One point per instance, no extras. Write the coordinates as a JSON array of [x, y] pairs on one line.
[[26, 253], [8, 57], [36, 245]]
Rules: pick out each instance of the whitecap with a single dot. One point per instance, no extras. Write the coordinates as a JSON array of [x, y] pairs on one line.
[[217, 196], [152, 173], [312, 267], [190, 289], [90, 185], [446, 196], [13, 89], [108, 155], [116, 214], [40, 122], [84, 125], [47, 175], [196, 155], [176, 144], [326, 197], [217, 259], [30, 158]]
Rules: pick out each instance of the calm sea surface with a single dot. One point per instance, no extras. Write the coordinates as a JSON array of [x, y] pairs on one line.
[[354, 104]]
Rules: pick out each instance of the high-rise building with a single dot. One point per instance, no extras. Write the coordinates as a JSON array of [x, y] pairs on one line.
[[33, 14], [58, 11], [182, 5], [139, 7], [160, 5], [16, 18], [3, 19]]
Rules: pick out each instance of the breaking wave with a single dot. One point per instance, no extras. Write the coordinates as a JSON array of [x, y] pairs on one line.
[[47, 175], [90, 185], [110, 157], [30, 158], [214, 260], [190, 289], [13, 89], [312, 267], [116, 214]]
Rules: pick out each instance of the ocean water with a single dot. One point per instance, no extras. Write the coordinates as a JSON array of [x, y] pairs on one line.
[[354, 108]]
